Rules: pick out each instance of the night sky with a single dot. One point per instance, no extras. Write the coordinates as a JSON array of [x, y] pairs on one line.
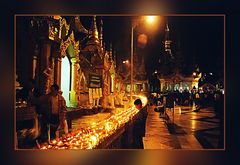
[[201, 39]]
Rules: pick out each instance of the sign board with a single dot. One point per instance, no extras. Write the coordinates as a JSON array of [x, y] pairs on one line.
[[95, 81]]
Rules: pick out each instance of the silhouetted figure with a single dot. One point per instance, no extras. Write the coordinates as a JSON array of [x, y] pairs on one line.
[[139, 125], [170, 100], [52, 108], [197, 101]]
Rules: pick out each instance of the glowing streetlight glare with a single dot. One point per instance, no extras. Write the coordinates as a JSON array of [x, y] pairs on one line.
[[150, 19]]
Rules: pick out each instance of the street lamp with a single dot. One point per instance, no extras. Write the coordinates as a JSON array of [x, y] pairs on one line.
[[134, 23]]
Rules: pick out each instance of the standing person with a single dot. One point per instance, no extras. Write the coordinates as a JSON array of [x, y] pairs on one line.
[[170, 100], [197, 101], [62, 116], [139, 125], [52, 107]]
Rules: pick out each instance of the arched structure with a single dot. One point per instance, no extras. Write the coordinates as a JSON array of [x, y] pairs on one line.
[[70, 48]]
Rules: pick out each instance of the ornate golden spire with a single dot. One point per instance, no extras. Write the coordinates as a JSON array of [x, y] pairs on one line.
[[115, 58], [110, 53], [104, 46], [94, 31], [101, 32], [167, 28], [167, 42]]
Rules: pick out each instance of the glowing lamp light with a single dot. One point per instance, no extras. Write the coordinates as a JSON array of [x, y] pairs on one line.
[[54, 141], [150, 19]]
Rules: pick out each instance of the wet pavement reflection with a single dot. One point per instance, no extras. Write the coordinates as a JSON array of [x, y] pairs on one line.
[[184, 129]]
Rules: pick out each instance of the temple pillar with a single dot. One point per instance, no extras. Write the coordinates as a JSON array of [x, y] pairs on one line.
[[112, 83], [144, 87], [162, 84], [34, 66], [57, 68], [181, 85], [45, 52], [74, 68], [105, 91]]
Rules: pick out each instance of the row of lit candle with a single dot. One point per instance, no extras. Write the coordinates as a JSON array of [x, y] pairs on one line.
[[90, 137]]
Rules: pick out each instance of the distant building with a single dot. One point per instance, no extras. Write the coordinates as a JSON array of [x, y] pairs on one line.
[[178, 82], [140, 81], [170, 72]]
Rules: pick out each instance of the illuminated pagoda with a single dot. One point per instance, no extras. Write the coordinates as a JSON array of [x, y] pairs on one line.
[[64, 52], [170, 72]]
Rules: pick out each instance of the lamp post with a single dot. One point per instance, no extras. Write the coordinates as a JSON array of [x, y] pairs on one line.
[[131, 68], [134, 23]]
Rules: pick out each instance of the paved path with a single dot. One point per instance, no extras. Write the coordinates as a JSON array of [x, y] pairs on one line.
[[159, 137], [203, 125]]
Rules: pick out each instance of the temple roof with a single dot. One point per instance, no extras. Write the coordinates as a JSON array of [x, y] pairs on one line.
[[93, 43], [93, 34], [79, 26]]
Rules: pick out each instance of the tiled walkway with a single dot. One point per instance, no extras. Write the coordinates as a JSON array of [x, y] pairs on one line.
[[159, 137], [204, 125]]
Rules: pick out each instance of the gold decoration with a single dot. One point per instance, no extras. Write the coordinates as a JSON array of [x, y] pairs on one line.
[[62, 23], [76, 48], [52, 32], [64, 45]]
